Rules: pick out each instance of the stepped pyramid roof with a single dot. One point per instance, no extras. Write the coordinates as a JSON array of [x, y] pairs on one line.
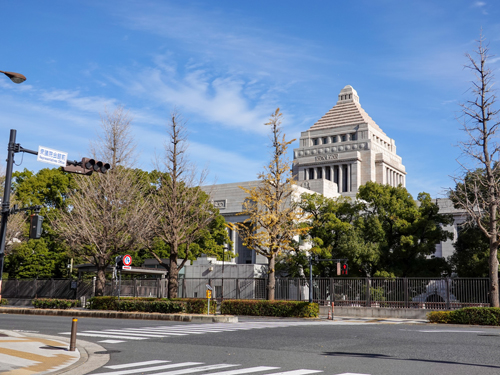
[[347, 111]]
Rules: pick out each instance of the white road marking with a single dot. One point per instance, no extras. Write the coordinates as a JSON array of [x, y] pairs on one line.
[[244, 370], [448, 331], [111, 341], [135, 364], [86, 333], [155, 365], [154, 368], [296, 372], [196, 369]]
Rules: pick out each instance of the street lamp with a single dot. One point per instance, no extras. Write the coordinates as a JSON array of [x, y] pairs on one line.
[[14, 77]]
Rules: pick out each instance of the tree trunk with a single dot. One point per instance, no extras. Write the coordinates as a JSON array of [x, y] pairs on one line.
[[173, 275], [494, 296], [100, 281], [271, 279]]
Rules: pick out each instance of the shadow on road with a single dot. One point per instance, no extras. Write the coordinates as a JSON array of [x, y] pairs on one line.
[[388, 357]]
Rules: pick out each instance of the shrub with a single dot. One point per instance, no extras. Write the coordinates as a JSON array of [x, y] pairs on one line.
[[439, 316], [197, 305], [163, 305], [270, 308], [4, 301], [54, 303], [487, 316], [158, 306], [102, 303]]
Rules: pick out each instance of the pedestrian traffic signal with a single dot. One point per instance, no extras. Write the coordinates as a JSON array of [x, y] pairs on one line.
[[36, 226], [119, 262], [86, 167], [344, 269]]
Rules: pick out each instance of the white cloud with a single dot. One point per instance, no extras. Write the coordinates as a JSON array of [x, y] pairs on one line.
[[220, 100]]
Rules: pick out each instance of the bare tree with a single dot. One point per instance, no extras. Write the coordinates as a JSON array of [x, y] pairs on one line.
[[110, 213], [109, 216], [183, 210], [115, 143], [477, 190], [273, 210]]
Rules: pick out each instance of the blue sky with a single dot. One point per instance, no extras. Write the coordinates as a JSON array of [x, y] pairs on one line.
[[227, 65]]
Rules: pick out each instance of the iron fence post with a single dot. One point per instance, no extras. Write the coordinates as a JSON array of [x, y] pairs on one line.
[[405, 287], [368, 292], [448, 293]]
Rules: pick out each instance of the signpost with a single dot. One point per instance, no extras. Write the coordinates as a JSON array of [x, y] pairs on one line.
[[122, 262], [209, 296]]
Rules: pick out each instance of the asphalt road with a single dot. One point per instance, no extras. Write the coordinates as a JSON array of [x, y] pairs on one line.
[[280, 345]]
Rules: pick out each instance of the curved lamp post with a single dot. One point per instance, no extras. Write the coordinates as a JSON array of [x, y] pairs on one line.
[[14, 77]]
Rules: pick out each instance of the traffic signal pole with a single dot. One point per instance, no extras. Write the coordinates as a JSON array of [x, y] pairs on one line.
[[12, 148], [311, 272]]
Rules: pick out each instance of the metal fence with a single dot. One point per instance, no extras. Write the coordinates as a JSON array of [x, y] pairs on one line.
[[428, 293]]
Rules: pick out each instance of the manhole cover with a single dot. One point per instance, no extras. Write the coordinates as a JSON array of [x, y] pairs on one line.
[[108, 351]]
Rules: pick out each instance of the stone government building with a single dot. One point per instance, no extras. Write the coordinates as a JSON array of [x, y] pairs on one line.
[[347, 147], [343, 150]]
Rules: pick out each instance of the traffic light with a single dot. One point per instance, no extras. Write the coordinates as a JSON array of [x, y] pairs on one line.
[[86, 167], [119, 262], [345, 268], [36, 226]]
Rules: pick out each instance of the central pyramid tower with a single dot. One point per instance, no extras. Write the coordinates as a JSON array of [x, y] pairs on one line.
[[345, 149]]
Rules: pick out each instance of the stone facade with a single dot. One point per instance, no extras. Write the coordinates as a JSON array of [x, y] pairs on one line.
[[348, 148]]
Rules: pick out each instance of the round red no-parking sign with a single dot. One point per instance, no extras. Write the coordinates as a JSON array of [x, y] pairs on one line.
[[127, 260]]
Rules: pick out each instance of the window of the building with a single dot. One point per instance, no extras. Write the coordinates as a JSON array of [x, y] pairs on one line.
[[320, 173], [354, 136], [325, 140], [344, 138], [334, 139], [315, 141], [311, 173]]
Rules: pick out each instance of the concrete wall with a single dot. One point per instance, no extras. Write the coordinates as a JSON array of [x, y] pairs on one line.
[[375, 312]]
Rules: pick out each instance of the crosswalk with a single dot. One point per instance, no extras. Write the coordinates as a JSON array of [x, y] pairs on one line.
[[162, 367], [114, 336]]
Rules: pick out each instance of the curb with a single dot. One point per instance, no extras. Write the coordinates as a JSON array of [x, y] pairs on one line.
[[122, 315]]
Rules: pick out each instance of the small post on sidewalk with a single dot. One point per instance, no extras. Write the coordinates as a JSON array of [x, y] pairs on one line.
[[72, 342]]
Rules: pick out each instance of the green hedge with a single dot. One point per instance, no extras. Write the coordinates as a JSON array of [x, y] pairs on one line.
[[486, 316], [160, 305], [270, 308], [54, 303], [4, 301]]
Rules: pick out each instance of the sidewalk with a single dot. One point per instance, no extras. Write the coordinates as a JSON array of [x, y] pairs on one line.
[[25, 353]]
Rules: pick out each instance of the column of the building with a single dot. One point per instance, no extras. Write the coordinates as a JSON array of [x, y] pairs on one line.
[[348, 182], [341, 184], [323, 172]]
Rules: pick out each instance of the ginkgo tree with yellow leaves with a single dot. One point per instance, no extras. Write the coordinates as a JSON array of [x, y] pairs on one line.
[[272, 207]]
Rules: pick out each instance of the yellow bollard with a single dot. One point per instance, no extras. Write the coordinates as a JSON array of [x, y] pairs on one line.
[[72, 342]]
